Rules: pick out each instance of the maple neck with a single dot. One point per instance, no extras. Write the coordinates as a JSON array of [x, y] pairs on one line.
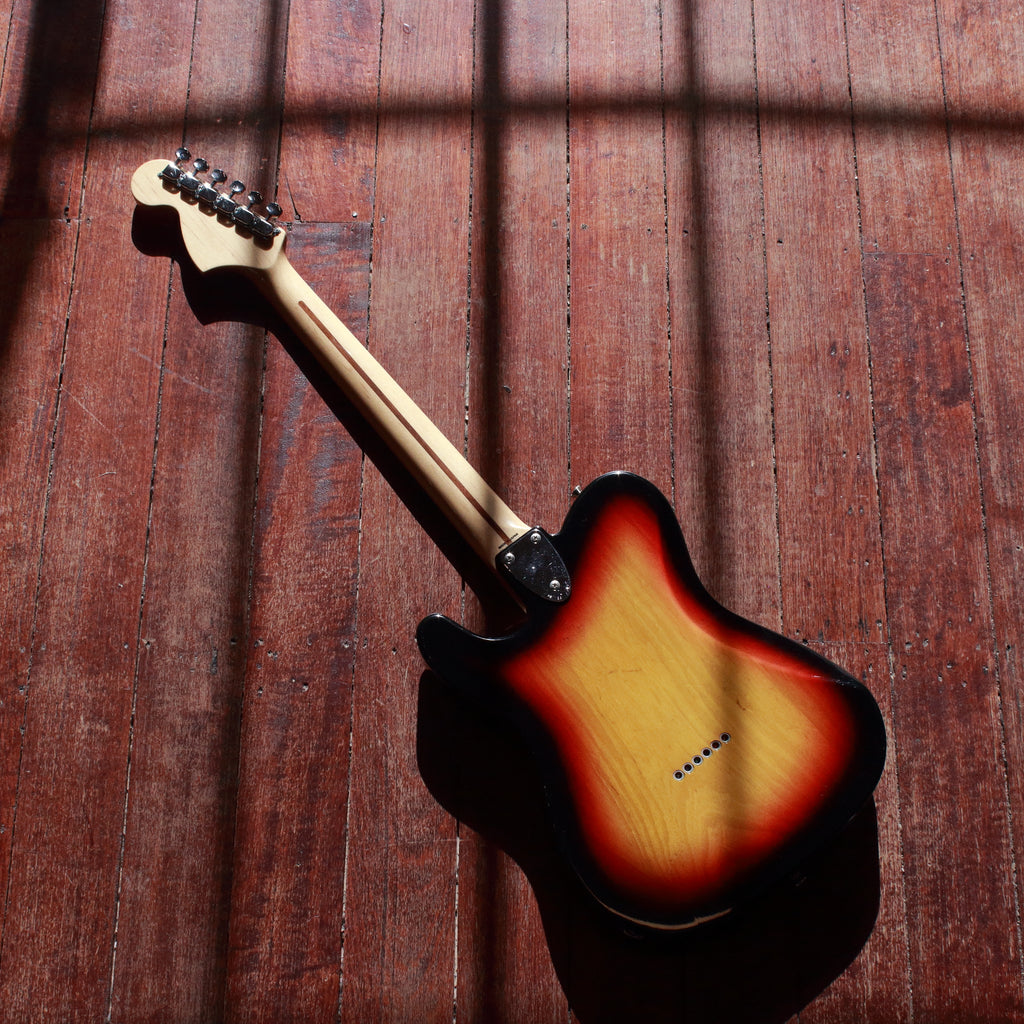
[[458, 490]]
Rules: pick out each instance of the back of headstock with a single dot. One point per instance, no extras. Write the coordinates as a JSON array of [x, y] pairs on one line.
[[217, 230]]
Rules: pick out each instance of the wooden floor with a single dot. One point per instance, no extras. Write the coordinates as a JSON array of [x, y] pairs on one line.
[[769, 255]]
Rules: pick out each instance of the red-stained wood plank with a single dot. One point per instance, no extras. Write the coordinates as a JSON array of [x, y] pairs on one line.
[[49, 78], [289, 873], [519, 384], [67, 829], [181, 811], [981, 49], [330, 112], [874, 986], [518, 440], [288, 879], [401, 867], [828, 513], [6, 10], [180, 821], [10, 77], [929, 488], [830, 533], [37, 256], [721, 375], [30, 359], [618, 296], [947, 699], [905, 184], [905, 203], [37, 248]]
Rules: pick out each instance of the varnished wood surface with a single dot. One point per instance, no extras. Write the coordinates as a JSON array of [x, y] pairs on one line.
[[767, 255]]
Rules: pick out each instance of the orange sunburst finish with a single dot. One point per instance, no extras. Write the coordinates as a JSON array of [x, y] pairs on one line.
[[623, 689]]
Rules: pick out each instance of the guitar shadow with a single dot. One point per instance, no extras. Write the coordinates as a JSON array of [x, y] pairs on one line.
[[762, 963]]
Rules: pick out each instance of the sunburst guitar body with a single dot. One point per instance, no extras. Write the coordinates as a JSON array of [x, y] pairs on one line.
[[690, 757]]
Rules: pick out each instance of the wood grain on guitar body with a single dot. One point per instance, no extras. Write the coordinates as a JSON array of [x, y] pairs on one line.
[[691, 757]]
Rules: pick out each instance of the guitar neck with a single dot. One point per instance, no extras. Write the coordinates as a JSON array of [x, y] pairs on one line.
[[462, 495]]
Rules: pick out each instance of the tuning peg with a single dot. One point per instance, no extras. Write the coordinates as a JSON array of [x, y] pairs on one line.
[[207, 193], [225, 203], [244, 217], [262, 226], [187, 181], [172, 172]]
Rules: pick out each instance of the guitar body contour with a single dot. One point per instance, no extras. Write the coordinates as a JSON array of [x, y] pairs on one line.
[[690, 756]]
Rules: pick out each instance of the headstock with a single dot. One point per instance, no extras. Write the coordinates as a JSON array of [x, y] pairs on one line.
[[218, 230]]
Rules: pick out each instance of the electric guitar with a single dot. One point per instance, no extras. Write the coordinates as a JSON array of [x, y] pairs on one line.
[[690, 757]]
